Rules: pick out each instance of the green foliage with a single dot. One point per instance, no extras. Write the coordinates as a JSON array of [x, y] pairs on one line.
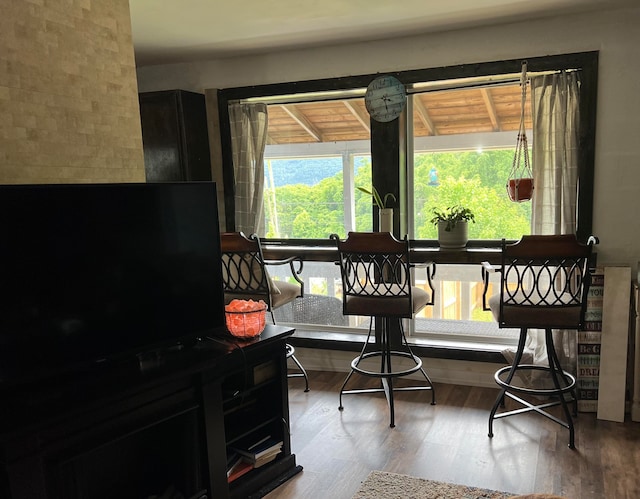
[[377, 200], [476, 181], [307, 212], [452, 215]]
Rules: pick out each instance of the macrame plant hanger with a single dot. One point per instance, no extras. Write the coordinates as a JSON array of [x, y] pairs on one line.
[[520, 181]]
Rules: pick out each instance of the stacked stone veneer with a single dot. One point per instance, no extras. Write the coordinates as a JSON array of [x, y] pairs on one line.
[[68, 93]]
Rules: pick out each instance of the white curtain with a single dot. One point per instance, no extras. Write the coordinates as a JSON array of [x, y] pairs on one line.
[[555, 112], [248, 140]]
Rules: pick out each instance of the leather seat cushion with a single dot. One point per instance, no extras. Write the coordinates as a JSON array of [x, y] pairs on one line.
[[387, 305], [541, 316], [286, 292]]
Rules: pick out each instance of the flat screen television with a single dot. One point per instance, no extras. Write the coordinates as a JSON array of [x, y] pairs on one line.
[[98, 272]]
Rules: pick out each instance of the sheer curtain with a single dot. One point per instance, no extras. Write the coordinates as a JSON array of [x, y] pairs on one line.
[[555, 109], [248, 140]]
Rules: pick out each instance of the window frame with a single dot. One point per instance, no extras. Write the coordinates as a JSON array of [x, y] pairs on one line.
[[389, 142]]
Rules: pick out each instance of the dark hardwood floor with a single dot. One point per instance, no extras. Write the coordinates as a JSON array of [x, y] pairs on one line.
[[448, 442]]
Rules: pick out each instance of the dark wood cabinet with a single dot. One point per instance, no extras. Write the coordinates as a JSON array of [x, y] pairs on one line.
[[167, 422], [174, 136]]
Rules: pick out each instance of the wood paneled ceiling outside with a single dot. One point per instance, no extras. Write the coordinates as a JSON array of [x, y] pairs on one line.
[[443, 112]]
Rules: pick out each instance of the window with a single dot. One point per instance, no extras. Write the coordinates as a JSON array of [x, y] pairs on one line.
[[309, 197], [463, 141], [462, 127]]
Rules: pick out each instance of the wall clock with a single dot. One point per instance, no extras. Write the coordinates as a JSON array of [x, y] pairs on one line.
[[385, 98]]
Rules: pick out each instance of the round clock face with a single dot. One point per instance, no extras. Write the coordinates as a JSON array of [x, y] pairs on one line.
[[385, 98]]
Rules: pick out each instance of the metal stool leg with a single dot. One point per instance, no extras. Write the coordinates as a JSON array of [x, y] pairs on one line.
[[302, 374], [554, 367], [385, 372], [563, 383], [424, 373], [387, 382], [514, 367], [355, 363]]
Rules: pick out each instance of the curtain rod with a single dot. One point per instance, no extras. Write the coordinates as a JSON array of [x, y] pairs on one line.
[[428, 86], [477, 81]]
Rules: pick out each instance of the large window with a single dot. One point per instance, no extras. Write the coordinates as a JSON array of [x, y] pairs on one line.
[[310, 179], [461, 125], [317, 152]]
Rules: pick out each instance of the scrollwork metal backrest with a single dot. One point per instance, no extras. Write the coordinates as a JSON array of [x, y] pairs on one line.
[[548, 276], [545, 282], [377, 275], [243, 266], [375, 265]]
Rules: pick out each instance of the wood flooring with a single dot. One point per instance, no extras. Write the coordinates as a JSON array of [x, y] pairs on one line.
[[448, 442]]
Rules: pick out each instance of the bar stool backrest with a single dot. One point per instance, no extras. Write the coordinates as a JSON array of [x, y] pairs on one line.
[[376, 275], [544, 281], [245, 275], [243, 271]]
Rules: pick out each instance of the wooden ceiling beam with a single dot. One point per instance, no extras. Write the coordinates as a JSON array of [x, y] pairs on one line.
[[362, 118], [423, 115], [491, 109], [299, 118]]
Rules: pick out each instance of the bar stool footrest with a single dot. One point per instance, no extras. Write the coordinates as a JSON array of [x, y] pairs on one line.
[[381, 374], [569, 379]]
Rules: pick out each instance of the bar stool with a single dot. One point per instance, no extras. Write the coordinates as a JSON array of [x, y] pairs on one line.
[[544, 282], [245, 276], [376, 282]]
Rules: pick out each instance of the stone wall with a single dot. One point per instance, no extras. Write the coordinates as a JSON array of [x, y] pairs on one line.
[[68, 93]]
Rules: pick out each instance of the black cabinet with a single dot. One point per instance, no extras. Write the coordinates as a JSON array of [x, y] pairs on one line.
[[135, 432], [174, 136], [254, 410]]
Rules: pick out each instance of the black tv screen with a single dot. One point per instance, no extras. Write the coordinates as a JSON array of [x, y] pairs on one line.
[[100, 271]]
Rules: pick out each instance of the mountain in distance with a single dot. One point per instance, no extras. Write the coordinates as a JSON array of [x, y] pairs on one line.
[[307, 171]]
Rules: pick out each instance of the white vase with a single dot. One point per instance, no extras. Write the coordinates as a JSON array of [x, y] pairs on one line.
[[385, 222], [454, 239]]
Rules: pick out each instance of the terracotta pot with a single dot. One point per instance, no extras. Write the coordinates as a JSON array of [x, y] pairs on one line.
[[520, 189]]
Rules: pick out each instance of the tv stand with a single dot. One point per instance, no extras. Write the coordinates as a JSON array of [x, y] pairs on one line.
[[134, 432]]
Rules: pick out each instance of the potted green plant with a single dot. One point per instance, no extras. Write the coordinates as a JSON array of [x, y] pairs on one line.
[[452, 224], [386, 213]]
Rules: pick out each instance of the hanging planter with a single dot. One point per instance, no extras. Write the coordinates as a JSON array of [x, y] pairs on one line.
[[520, 181], [520, 189]]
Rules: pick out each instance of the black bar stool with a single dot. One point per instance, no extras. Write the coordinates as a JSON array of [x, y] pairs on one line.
[[376, 282], [544, 282], [245, 276]]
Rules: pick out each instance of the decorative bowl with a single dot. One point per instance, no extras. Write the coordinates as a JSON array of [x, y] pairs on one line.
[[245, 318]]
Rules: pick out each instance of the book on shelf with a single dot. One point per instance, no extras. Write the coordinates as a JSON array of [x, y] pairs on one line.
[[233, 458], [267, 457], [261, 451], [588, 346], [237, 465], [237, 470]]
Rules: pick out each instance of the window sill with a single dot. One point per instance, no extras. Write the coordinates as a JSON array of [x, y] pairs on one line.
[[423, 347]]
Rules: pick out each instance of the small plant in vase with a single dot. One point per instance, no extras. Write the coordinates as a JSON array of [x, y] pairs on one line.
[[452, 224], [386, 213]]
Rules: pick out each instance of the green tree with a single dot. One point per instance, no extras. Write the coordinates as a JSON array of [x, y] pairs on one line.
[[474, 180], [305, 211], [496, 216]]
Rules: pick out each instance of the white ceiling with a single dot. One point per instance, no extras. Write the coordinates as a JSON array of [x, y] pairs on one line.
[[169, 31]]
